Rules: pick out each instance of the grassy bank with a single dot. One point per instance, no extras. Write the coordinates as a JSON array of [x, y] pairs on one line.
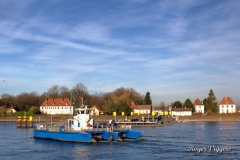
[[63, 118], [216, 118], [103, 118]]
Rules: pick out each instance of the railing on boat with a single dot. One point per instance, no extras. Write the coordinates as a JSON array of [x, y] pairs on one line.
[[68, 129], [147, 123]]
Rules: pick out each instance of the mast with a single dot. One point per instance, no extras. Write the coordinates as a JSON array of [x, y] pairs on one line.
[[73, 100]]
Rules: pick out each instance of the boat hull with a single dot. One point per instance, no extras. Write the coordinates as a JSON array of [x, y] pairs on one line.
[[64, 136], [89, 136]]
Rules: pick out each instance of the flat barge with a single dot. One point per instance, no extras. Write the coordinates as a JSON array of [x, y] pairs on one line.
[[82, 129]]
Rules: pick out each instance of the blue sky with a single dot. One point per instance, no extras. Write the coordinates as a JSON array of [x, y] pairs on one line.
[[173, 49]]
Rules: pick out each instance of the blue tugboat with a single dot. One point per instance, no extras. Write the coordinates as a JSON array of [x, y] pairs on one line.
[[82, 129]]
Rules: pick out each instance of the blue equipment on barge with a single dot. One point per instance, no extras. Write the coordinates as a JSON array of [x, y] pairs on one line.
[[82, 129]]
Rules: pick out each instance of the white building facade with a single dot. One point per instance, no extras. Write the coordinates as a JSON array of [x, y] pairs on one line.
[[181, 111], [56, 106], [199, 107], [96, 110], [142, 109], [227, 106]]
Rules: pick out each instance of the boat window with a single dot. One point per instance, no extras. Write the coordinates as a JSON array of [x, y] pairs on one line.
[[82, 112], [87, 111], [78, 112]]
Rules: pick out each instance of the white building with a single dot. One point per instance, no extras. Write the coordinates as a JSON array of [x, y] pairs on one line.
[[199, 107], [56, 106], [11, 110], [142, 109], [227, 106], [181, 111], [158, 110], [96, 110]]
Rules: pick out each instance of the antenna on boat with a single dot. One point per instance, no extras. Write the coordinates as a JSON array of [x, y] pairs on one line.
[[73, 100]]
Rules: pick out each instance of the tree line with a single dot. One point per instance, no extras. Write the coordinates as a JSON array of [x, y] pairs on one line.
[[210, 103], [118, 100]]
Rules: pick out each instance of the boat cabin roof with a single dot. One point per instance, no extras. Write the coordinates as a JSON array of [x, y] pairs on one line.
[[83, 110]]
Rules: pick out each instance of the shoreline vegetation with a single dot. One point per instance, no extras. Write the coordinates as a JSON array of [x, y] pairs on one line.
[[217, 118], [103, 118]]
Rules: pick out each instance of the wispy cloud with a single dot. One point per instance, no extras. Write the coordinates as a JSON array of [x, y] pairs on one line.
[[161, 47]]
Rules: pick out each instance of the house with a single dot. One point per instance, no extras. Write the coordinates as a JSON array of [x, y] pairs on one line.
[[158, 110], [181, 111], [199, 107], [11, 110], [56, 106], [96, 110], [227, 106], [142, 109]]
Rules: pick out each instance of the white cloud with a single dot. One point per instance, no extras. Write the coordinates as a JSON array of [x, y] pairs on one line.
[[151, 46]]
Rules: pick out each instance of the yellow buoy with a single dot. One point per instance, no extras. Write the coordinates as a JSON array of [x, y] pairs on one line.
[[19, 118]]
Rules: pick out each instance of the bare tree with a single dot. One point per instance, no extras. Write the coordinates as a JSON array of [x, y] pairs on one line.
[[53, 92], [81, 94], [96, 99], [26, 100], [162, 105], [42, 98], [64, 92], [8, 100]]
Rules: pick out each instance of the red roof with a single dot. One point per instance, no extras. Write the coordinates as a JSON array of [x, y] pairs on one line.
[[197, 102], [56, 102], [227, 100], [133, 106], [181, 109], [140, 107], [97, 107]]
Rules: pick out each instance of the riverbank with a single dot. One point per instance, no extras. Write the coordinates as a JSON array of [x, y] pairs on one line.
[[63, 118], [104, 118], [202, 118]]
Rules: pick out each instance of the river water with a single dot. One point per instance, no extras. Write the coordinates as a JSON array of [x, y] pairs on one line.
[[176, 141]]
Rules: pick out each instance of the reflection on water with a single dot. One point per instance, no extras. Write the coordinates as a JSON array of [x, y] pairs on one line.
[[168, 142]]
